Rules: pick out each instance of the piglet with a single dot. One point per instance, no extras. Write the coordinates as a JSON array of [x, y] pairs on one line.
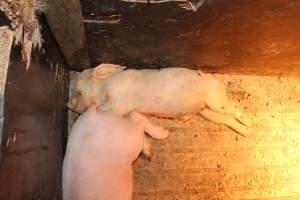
[[100, 152], [169, 92]]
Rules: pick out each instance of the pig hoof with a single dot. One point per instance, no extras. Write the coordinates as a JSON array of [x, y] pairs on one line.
[[147, 155], [144, 157], [166, 133], [247, 132], [245, 121], [162, 134], [185, 118]]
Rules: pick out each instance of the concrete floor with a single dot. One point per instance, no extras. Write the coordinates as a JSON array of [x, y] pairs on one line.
[[202, 160]]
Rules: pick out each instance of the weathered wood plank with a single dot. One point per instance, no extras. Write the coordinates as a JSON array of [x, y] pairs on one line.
[[6, 42], [249, 36], [65, 20], [35, 123]]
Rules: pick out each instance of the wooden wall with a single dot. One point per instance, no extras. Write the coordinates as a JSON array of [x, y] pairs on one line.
[[259, 37], [6, 41], [35, 123]]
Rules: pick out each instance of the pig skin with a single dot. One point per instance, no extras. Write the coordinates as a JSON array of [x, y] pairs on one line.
[[100, 152]]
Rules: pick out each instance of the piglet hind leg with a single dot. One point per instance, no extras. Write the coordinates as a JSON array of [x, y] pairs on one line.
[[218, 100], [221, 104], [186, 118], [227, 120]]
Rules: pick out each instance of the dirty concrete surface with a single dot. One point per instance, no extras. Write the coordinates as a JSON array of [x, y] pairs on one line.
[[202, 160]]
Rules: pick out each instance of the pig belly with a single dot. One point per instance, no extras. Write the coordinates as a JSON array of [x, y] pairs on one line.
[[172, 106]]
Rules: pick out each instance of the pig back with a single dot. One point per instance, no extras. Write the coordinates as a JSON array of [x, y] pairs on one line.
[[100, 151], [168, 92], [104, 135]]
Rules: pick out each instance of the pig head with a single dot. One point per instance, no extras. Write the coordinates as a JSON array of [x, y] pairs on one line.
[[89, 87]]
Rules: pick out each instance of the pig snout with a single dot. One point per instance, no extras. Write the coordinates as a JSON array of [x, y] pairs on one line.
[[77, 103], [73, 101]]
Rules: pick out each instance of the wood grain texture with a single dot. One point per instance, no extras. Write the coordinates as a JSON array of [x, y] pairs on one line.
[[204, 161], [35, 123], [65, 20], [234, 36], [6, 42]]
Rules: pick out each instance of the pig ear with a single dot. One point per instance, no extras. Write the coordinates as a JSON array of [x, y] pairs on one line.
[[105, 70]]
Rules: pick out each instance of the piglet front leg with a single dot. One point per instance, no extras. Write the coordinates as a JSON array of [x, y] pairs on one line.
[[153, 131]]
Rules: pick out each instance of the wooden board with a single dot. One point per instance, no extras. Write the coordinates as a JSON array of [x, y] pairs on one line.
[[65, 20], [35, 124], [6, 42], [234, 36]]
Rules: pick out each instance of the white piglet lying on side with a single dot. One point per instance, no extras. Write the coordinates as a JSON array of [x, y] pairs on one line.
[[169, 92], [100, 152]]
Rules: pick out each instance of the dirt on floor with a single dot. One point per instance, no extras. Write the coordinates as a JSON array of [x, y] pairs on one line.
[[202, 160]]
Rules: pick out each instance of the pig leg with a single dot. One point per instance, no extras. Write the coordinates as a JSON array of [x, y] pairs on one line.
[[155, 132], [221, 105], [73, 101], [147, 149], [186, 118], [224, 119], [218, 101]]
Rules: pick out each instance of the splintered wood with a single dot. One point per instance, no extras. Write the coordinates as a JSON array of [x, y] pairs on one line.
[[202, 160], [24, 23]]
